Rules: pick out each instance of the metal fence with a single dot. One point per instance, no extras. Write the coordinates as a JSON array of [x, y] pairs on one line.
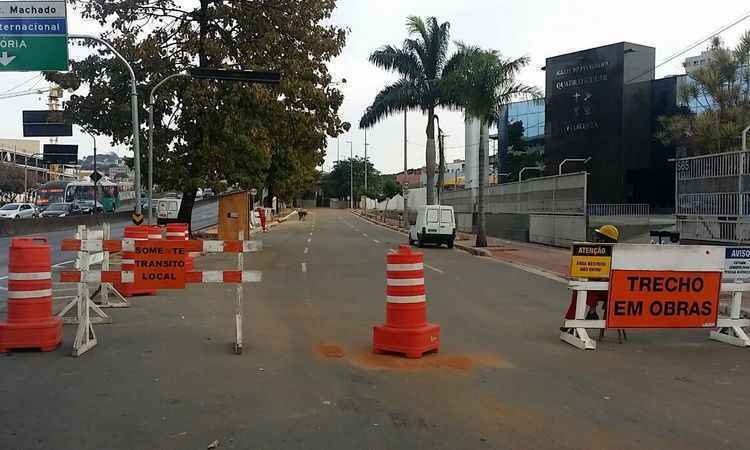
[[619, 209], [559, 194], [712, 197]]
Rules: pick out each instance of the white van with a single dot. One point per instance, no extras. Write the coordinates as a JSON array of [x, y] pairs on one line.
[[435, 224]]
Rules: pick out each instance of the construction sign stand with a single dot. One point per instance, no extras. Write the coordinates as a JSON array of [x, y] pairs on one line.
[[238, 309], [661, 287], [107, 288], [99, 315], [159, 264], [85, 334], [731, 329]]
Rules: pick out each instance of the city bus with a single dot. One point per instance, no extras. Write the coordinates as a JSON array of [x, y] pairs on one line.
[[107, 195], [50, 192]]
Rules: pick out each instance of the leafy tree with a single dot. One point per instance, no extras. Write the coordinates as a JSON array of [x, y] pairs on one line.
[[419, 63], [208, 131], [390, 189], [482, 81], [515, 136], [722, 90], [336, 183]]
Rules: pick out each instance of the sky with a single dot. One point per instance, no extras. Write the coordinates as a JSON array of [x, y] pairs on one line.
[[534, 28]]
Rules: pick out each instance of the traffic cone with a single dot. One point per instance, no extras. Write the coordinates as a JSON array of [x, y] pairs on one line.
[[30, 321], [406, 329]]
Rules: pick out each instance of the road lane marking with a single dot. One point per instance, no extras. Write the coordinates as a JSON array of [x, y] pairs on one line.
[[310, 233], [306, 249], [364, 234], [434, 268], [376, 241], [309, 239], [304, 267]]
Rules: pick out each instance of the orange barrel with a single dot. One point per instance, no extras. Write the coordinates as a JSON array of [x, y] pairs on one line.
[[30, 322], [181, 232], [406, 329], [138, 233]]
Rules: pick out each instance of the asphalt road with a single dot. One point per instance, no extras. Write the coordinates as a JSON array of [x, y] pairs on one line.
[[203, 215], [163, 375]]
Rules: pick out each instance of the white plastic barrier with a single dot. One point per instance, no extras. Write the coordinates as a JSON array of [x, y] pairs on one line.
[[730, 330]]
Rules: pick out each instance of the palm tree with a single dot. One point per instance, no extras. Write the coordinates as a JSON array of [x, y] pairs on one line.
[[482, 81], [419, 62]]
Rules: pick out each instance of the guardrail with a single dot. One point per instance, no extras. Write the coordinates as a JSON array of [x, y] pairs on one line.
[[619, 209]]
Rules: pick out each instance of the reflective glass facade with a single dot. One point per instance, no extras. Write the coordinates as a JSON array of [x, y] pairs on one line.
[[531, 114]]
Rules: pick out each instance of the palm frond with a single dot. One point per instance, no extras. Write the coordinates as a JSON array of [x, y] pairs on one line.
[[402, 95], [403, 61]]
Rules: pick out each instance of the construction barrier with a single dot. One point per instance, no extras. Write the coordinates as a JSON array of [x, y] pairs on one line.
[[138, 233], [661, 287], [181, 232], [156, 263], [30, 324], [406, 329]]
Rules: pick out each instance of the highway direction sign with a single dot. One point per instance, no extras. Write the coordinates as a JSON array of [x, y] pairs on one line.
[[33, 36]]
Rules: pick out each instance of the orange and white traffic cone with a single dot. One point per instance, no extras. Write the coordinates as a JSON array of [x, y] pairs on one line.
[[30, 321], [406, 329]]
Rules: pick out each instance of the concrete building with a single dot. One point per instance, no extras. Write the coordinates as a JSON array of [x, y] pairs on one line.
[[693, 63]]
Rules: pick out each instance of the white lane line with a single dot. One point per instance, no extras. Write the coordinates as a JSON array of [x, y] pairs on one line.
[[304, 267], [376, 241], [309, 239], [434, 268], [306, 249], [364, 234], [311, 234]]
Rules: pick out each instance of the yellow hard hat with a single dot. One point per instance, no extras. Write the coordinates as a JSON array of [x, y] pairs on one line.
[[609, 231]]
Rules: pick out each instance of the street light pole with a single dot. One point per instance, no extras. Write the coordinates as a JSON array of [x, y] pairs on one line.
[[567, 160], [351, 175], [151, 144], [134, 115], [520, 174]]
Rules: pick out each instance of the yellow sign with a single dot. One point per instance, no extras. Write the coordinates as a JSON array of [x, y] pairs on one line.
[[137, 218], [590, 260]]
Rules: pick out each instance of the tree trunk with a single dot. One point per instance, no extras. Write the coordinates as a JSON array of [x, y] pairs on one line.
[[185, 214], [483, 149], [430, 156]]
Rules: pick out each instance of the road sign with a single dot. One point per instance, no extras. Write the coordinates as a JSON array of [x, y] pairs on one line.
[[137, 218], [590, 260], [95, 177], [60, 154], [737, 264], [160, 264], [47, 124], [253, 192], [33, 36], [662, 286]]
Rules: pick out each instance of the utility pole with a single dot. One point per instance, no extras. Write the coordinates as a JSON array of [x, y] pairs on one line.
[[365, 166], [406, 168], [351, 174]]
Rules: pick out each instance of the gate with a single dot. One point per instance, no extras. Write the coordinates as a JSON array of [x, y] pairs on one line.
[[712, 198]]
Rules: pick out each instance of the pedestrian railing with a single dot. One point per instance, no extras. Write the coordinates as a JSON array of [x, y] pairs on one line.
[[619, 209]]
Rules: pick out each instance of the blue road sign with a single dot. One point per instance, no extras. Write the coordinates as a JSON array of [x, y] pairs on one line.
[[33, 27]]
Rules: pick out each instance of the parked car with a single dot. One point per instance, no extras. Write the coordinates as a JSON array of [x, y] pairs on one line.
[[62, 210], [18, 211], [435, 224], [208, 193], [87, 207]]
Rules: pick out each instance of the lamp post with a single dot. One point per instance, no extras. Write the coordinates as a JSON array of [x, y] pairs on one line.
[[199, 73], [520, 174], [134, 117], [351, 174], [567, 160], [151, 144]]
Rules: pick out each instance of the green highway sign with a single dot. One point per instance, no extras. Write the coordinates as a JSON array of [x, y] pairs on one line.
[[33, 36]]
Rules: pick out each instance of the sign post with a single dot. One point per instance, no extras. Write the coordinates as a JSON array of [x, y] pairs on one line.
[[33, 36]]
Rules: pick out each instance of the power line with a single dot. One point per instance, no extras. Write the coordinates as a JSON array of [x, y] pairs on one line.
[[39, 75], [692, 46]]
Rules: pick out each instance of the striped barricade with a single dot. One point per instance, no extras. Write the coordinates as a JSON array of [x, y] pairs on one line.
[[158, 264]]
